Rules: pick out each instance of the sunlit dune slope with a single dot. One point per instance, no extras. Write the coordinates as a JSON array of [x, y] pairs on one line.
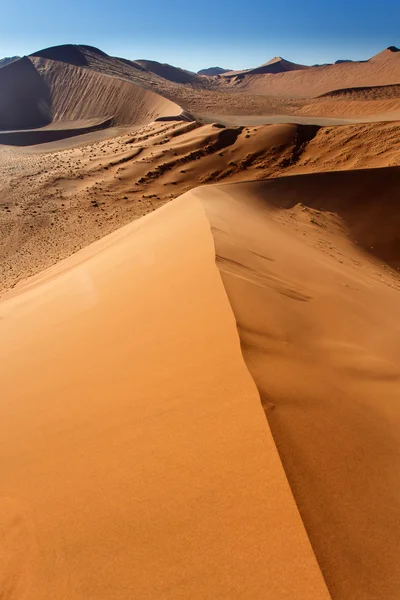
[[136, 458], [275, 65]]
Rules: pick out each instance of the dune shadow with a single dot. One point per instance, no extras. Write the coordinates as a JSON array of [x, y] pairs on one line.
[[25, 98], [367, 200]]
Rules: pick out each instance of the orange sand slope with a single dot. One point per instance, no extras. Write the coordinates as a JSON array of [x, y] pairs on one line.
[[137, 461], [318, 316]]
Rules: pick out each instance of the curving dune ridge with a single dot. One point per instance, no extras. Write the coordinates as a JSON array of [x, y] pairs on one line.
[[137, 459]]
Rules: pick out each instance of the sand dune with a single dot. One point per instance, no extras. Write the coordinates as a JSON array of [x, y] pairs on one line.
[[377, 92], [81, 82], [57, 202], [70, 53], [388, 53], [63, 87], [275, 65], [137, 459], [168, 71], [19, 110], [381, 70], [73, 93], [213, 71], [8, 59], [318, 319], [140, 464]]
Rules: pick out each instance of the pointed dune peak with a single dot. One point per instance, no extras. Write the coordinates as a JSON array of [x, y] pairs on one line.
[[389, 52], [275, 65], [274, 60]]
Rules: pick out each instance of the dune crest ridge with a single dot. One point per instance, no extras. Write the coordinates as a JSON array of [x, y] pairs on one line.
[[132, 435]]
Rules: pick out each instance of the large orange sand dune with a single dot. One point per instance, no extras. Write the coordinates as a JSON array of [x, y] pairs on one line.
[[136, 458]]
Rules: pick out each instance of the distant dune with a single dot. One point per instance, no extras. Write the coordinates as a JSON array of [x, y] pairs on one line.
[[80, 82], [213, 71], [69, 53], [388, 53], [7, 60], [383, 69], [275, 65], [25, 96], [59, 90], [168, 71]]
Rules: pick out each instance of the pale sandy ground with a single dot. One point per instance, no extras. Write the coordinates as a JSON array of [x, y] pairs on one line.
[[136, 458]]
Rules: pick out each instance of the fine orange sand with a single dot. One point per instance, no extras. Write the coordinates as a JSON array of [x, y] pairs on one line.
[[136, 459], [319, 323], [203, 403]]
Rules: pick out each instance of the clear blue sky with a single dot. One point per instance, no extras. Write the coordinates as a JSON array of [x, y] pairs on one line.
[[205, 33]]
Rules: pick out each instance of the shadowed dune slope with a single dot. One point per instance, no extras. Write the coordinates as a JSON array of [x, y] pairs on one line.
[[137, 461], [8, 59], [25, 98], [72, 54], [213, 71], [318, 318], [169, 72], [367, 201]]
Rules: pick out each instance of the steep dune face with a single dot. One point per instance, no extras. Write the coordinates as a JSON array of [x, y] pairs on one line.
[[318, 319], [38, 91], [78, 94], [137, 461], [25, 98]]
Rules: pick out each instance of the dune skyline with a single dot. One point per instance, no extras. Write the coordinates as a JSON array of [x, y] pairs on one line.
[[212, 34], [199, 310]]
